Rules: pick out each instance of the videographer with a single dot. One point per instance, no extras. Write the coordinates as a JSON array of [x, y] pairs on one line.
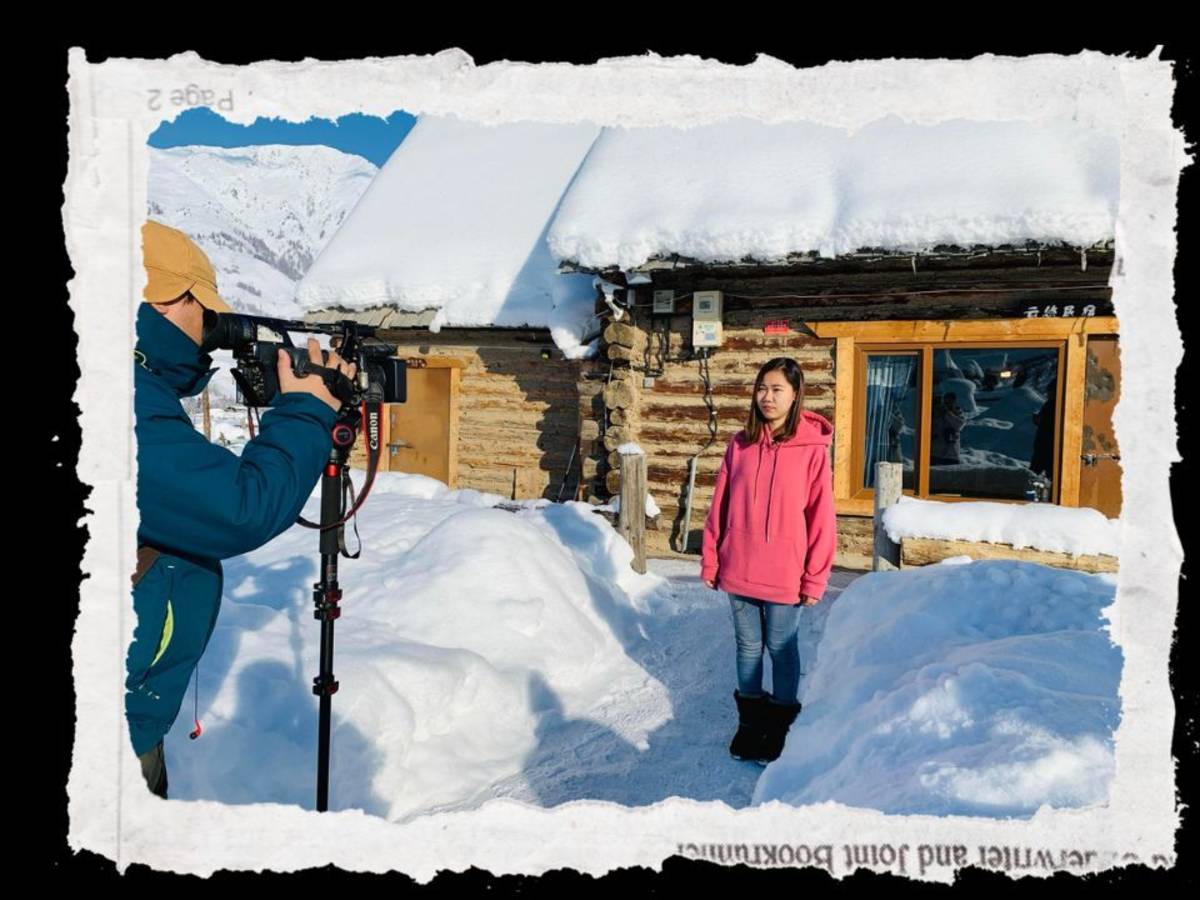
[[198, 502]]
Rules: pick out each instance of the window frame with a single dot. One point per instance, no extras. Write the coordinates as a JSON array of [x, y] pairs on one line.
[[844, 335], [924, 352]]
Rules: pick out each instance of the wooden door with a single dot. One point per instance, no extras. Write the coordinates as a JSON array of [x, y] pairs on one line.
[[422, 433], [1099, 464]]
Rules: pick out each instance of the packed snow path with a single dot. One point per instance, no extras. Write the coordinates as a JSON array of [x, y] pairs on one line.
[[691, 651]]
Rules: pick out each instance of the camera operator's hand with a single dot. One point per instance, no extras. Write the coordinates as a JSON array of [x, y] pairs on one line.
[[312, 384]]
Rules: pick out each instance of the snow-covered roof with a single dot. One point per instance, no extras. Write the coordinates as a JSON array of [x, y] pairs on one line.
[[745, 188], [456, 220], [473, 220]]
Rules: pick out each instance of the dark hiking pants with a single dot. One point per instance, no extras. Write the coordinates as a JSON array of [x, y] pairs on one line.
[[154, 770]]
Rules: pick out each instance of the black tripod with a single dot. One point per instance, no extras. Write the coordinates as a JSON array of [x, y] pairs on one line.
[[380, 378], [326, 592]]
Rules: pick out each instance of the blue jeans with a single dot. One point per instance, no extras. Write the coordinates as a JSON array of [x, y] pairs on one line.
[[757, 623]]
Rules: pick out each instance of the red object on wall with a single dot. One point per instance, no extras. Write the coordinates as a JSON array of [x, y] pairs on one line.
[[776, 326]]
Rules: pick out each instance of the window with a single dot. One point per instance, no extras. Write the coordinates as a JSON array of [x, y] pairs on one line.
[[969, 421]]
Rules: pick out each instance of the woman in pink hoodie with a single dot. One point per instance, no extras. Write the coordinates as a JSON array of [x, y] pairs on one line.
[[769, 542]]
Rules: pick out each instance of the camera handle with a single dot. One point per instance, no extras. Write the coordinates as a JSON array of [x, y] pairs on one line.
[[339, 385]]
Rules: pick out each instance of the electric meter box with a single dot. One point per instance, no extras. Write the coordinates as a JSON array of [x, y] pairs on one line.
[[706, 318], [664, 303]]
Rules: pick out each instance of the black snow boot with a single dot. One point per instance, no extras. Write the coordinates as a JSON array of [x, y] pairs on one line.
[[747, 743], [777, 719]]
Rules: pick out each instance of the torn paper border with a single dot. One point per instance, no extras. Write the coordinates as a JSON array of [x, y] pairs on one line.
[[115, 105]]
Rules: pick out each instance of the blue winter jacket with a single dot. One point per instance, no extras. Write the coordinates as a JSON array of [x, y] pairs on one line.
[[200, 503]]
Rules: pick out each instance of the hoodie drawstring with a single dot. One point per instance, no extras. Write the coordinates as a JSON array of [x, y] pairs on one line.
[[757, 471], [771, 495], [767, 440]]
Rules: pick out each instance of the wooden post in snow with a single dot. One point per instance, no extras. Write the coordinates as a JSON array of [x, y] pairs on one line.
[[631, 519], [205, 403], [889, 485]]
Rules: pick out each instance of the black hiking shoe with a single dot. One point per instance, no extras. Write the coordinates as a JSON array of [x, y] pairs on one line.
[[777, 719], [747, 743]]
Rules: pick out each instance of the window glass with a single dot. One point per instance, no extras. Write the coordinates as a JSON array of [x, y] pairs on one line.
[[992, 422]]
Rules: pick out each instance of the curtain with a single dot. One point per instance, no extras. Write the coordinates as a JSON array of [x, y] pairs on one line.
[[888, 380]]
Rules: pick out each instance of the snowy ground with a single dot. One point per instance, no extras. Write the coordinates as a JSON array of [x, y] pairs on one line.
[[484, 653], [612, 686]]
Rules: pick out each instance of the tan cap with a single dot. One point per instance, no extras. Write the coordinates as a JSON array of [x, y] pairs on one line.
[[176, 266]]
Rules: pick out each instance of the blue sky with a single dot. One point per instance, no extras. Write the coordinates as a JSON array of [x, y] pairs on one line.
[[367, 136]]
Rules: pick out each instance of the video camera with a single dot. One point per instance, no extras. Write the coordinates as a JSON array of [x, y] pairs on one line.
[[256, 341]]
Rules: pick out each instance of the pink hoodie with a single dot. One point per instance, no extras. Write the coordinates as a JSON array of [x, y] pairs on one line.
[[771, 531]]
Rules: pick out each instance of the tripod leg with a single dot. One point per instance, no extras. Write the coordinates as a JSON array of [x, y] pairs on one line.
[[326, 597]]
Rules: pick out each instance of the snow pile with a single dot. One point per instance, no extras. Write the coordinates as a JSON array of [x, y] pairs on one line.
[[461, 626], [744, 188], [456, 221], [987, 688], [1041, 526]]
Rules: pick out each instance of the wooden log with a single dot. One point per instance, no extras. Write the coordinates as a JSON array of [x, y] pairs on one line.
[[663, 475], [631, 523], [615, 437], [617, 417], [924, 551], [675, 270], [621, 333], [612, 482], [620, 395], [627, 354], [667, 434], [856, 275], [589, 429], [738, 389], [745, 338], [889, 486], [816, 362], [727, 415], [589, 388]]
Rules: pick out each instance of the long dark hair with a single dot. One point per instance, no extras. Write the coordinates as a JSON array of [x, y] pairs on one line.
[[755, 423]]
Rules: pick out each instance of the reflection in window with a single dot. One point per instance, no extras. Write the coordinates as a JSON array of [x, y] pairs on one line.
[[992, 422], [891, 415]]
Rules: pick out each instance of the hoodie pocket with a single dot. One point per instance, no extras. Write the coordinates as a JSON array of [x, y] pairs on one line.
[[749, 557], [799, 550]]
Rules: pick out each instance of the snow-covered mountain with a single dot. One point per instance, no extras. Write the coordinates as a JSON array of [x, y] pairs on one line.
[[262, 214]]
